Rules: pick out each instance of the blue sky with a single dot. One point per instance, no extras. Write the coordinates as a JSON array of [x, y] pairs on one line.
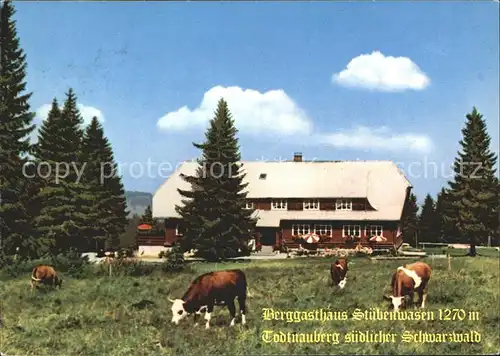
[[342, 81]]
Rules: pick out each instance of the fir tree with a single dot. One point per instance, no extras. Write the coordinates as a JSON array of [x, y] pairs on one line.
[[444, 209], [215, 221], [495, 238], [174, 259], [441, 229], [49, 218], [410, 219], [473, 192], [92, 148], [129, 237], [31, 246], [16, 123], [427, 221], [65, 212], [147, 217], [105, 187]]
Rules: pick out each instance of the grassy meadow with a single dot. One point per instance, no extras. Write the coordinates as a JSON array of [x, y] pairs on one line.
[[102, 315]]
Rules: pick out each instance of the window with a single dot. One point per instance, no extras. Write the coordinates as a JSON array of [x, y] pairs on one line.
[[323, 230], [249, 205], [343, 204], [178, 231], [376, 230], [300, 229], [311, 205], [278, 205], [263, 176], [351, 230]]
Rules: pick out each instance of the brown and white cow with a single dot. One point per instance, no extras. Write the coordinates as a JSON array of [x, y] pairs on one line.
[[214, 288], [408, 280], [45, 275], [338, 272]]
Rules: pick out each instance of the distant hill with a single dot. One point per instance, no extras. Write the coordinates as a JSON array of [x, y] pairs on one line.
[[137, 202]]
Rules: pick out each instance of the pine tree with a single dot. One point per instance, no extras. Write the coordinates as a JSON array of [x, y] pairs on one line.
[[473, 192], [65, 215], [16, 123], [30, 245], [174, 259], [147, 217], [129, 237], [446, 208], [92, 148], [105, 187], [410, 219], [215, 221], [427, 221], [80, 224], [441, 230], [49, 218]]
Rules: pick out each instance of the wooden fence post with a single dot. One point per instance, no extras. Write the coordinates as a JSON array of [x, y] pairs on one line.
[[449, 263]]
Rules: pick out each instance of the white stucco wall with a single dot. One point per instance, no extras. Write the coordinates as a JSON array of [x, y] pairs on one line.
[[151, 251]]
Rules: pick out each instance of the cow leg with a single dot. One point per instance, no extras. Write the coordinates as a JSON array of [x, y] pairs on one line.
[[422, 293], [232, 311], [412, 297], [208, 315], [342, 283], [424, 297], [243, 308], [420, 297], [195, 318]]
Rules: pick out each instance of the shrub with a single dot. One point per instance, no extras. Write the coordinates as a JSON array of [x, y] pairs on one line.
[[5, 260], [306, 253], [281, 247], [125, 252], [162, 254], [175, 259], [70, 263], [125, 266]]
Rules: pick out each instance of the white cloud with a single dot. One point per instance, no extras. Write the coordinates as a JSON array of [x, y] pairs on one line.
[[377, 139], [377, 72], [87, 112], [271, 112]]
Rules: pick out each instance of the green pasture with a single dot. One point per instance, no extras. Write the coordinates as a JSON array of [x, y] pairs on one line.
[[102, 315]]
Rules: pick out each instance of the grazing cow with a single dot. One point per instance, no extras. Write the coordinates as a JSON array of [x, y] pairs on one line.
[[338, 271], [45, 275], [215, 288], [407, 280]]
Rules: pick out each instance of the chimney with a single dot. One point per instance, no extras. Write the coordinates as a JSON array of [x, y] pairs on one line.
[[297, 157]]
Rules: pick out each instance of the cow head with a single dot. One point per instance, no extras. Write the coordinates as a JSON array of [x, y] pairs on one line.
[[178, 310], [397, 302]]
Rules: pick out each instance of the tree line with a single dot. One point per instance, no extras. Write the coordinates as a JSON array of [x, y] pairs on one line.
[[467, 209], [61, 192]]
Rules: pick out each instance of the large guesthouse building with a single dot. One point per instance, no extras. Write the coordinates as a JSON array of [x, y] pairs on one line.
[[342, 202]]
